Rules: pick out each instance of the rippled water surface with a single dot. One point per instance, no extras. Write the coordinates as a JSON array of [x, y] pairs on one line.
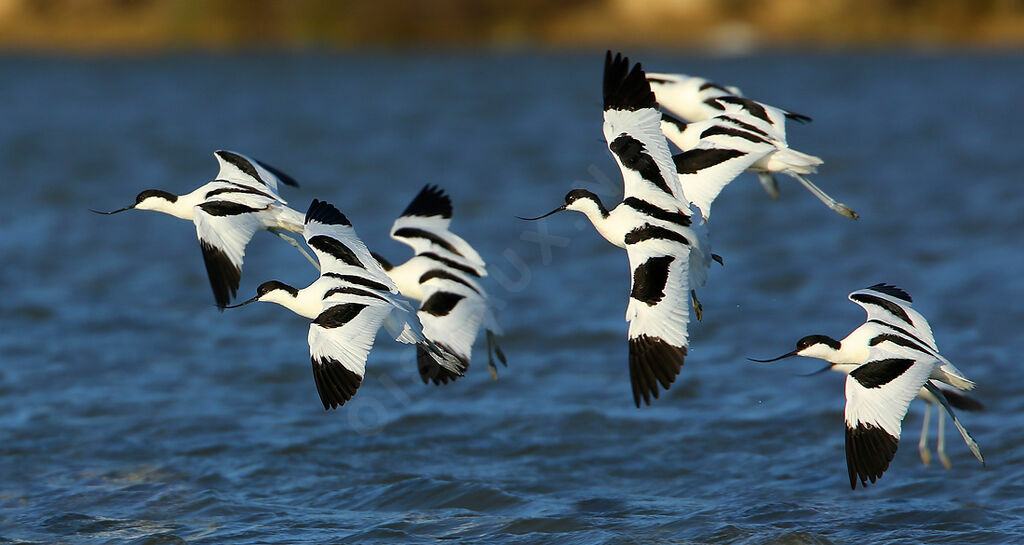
[[132, 411]]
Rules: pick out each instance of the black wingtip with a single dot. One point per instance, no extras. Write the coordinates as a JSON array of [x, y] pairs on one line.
[[431, 371], [653, 361], [334, 383], [626, 89], [891, 290], [869, 450], [799, 118], [430, 201], [223, 274], [325, 213], [281, 176]]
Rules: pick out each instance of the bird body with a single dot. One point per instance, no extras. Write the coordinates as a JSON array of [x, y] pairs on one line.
[[443, 276], [227, 212], [889, 360], [722, 134], [350, 300], [668, 257]]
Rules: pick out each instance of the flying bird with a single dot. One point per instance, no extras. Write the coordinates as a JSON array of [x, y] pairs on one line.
[[725, 133], [227, 212], [667, 255], [443, 275], [889, 360], [350, 300]]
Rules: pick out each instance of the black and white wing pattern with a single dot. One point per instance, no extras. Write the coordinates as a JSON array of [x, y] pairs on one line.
[[878, 394], [696, 99], [890, 308], [632, 129], [244, 170], [443, 275], [357, 301], [424, 227], [658, 311], [715, 152], [224, 228]]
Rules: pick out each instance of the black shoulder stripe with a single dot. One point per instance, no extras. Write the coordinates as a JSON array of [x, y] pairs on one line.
[[695, 160], [891, 291], [648, 232], [653, 361], [430, 201], [634, 156], [325, 213], [650, 278], [353, 279], [352, 291], [878, 373], [657, 213], [898, 340], [755, 109], [679, 123], [412, 232], [334, 248], [713, 102], [869, 449], [226, 208], [445, 275], [441, 303], [451, 263], [726, 131], [902, 332], [338, 315], [626, 89], [241, 163], [713, 85], [887, 305], [745, 126], [236, 189]]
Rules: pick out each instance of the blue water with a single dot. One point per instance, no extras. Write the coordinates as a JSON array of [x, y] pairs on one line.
[[132, 411]]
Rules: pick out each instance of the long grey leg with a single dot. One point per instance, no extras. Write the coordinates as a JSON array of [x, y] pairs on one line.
[[298, 247], [971, 443], [942, 443], [494, 350], [922, 444], [835, 205]]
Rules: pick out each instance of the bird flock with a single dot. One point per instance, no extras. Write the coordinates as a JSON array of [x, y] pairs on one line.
[[662, 223]]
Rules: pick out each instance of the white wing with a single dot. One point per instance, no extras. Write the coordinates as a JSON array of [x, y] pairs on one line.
[[338, 249], [686, 95], [891, 307], [658, 310], [878, 394], [451, 314], [241, 169], [340, 338], [224, 229], [715, 152], [424, 227], [632, 129]]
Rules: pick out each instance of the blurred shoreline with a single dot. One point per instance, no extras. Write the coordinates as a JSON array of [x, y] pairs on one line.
[[717, 25]]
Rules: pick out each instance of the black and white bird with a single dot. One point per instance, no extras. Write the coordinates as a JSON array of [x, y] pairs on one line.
[[696, 99], [443, 276], [348, 303], [723, 134], [227, 212], [668, 256], [890, 359]]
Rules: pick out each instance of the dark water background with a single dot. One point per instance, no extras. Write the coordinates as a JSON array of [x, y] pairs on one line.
[[131, 411]]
